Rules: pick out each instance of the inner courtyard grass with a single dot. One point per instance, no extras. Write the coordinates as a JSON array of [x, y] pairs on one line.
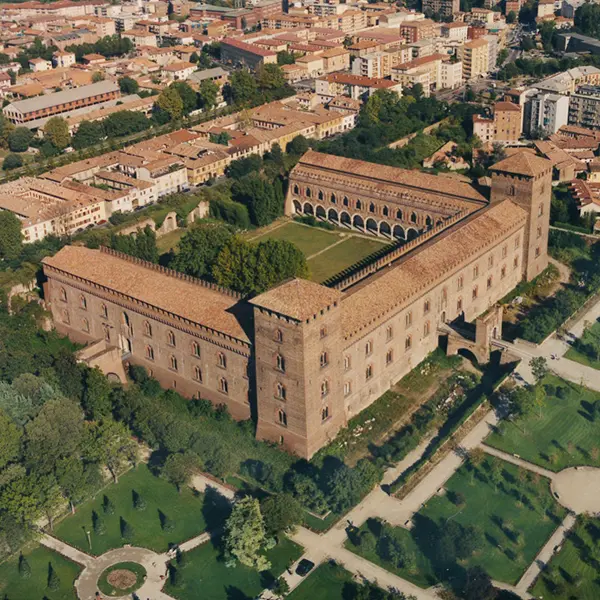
[[185, 510], [573, 572], [309, 240], [327, 582], [40, 560], [513, 514], [206, 576], [565, 434]]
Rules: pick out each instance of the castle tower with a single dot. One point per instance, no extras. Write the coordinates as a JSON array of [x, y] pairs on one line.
[[298, 357], [526, 179]]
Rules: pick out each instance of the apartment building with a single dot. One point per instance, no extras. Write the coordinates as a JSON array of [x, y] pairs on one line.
[[584, 107], [451, 73], [63, 60], [455, 31], [140, 37], [545, 112], [425, 71], [503, 126], [237, 52], [413, 31], [475, 58], [353, 86], [444, 8], [179, 71]]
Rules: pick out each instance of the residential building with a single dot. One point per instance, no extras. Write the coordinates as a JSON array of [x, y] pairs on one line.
[[545, 113], [353, 86], [444, 8], [584, 107], [179, 71], [413, 31], [63, 60], [455, 31], [475, 58], [241, 53]]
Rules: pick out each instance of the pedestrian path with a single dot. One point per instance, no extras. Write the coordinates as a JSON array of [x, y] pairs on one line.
[[71, 553], [518, 461]]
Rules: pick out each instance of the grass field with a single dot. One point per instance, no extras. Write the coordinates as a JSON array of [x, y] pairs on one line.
[[14, 587], [170, 240], [590, 339], [565, 435], [186, 511], [327, 582], [513, 518], [573, 572], [206, 575], [310, 240]]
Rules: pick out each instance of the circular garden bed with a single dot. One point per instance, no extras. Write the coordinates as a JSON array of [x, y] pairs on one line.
[[122, 579]]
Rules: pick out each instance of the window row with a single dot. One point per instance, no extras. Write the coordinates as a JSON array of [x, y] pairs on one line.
[[283, 420]]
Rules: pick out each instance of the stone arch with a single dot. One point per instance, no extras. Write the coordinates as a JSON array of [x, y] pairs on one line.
[[320, 195], [308, 192], [386, 211], [399, 232], [413, 217], [372, 226], [345, 219], [308, 209], [297, 207], [372, 207], [332, 215], [296, 189], [358, 205], [345, 201], [385, 229], [399, 215], [320, 212], [358, 222], [428, 222], [333, 199], [411, 234]]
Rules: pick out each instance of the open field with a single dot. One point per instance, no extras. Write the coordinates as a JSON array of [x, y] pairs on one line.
[[507, 513], [327, 582], [40, 560], [565, 435], [186, 511], [574, 572], [206, 576]]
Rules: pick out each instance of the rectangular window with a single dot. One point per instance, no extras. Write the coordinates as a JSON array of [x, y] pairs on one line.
[[347, 388], [408, 319], [490, 262], [537, 252], [475, 271], [389, 333], [474, 294], [408, 343], [460, 283], [504, 251]]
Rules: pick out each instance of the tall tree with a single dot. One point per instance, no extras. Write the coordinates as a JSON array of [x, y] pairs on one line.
[[88, 134], [11, 238], [188, 96], [19, 139], [56, 131], [179, 468], [10, 440], [169, 101], [128, 85], [207, 94], [96, 395]]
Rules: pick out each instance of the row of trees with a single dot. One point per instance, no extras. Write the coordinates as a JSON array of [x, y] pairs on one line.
[[108, 46]]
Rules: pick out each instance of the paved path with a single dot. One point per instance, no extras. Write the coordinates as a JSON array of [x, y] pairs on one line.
[[410, 459], [201, 482], [71, 553], [519, 462], [545, 554], [194, 542]]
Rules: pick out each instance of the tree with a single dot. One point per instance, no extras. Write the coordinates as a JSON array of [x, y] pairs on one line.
[[245, 535], [188, 96], [281, 512], [281, 587], [12, 161], [285, 58], [128, 85], [125, 122], [96, 396], [10, 440], [244, 166], [208, 93], [169, 102], [77, 480], [478, 585], [259, 195], [178, 468], [222, 462], [53, 579], [511, 17], [89, 133], [199, 248], [270, 77], [24, 568], [11, 238], [127, 531], [587, 19], [476, 457], [539, 368], [20, 139], [56, 131], [6, 127], [241, 89], [298, 146]]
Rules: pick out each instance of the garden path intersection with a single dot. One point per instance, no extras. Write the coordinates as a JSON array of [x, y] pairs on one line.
[[578, 489]]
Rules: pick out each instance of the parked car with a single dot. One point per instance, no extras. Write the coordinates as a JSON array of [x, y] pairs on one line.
[[304, 567]]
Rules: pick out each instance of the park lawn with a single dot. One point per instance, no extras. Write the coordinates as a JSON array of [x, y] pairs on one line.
[[185, 510], [564, 436], [14, 587], [326, 582], [353, 249], [309, 240], [584, 358], [170, 240], [573, 560], [206, 576], [525, 507]]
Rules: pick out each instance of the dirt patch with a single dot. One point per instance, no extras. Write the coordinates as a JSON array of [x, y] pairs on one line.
[[122, 579]]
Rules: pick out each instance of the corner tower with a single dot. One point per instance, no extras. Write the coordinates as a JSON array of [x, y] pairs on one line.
[[298, 357], [526, 179]]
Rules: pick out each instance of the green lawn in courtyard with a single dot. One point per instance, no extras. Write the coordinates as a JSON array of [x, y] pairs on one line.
[[308, 239], [585, 350], [170, 240], [14, 587], [565, 435], [206, 576], [513, 514], [342, 256], [327, 582], [573, 572], [185, 510]]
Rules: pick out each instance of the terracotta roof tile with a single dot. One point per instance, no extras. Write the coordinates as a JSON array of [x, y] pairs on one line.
[[523, 163]]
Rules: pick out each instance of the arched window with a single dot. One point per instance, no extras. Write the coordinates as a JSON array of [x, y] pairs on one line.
[[308, 192], [389, 333], [147, 329], [196, 349], [389, 357], [320, 194], [171, 339], [474, 293], [358, 205], [296, 189], [85, 325], [413, 218], [386, 211], [408, 343], [323, 332], [428, 222], [280, 391], [511, 190], [459, 305], [149, 352], [347, 363], [198, 374], [324, 388], [333, 199], [106, 329], [104, 311], [369, 372], [368, 347], [426, 306], [325, 413], [280, 363], [278, 336], [125, 318], [82, 302], [399, 214], [426, 328], [65, 317], [347, 388], [346, 202], [282, 417], [324, 359], [489, 282], [223, 385], [371, 208], [222, 360], [62, 293], [173, 362]]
